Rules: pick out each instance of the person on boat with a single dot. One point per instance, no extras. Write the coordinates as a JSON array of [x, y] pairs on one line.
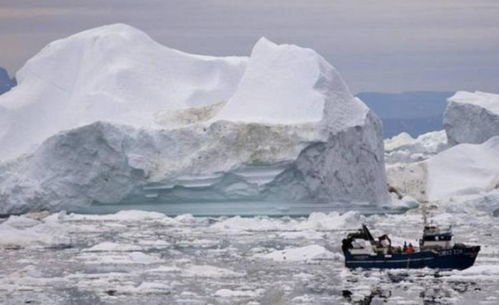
[[410, 249], [404, 249]]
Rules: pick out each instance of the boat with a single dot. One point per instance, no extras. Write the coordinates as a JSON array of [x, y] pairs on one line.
[[436, 250]]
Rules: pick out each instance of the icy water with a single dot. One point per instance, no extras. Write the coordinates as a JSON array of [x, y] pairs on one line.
[[135, 257], [241, 208]]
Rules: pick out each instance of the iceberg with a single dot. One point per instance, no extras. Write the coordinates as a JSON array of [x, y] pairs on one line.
[[472, 117], [108, 115], [462, 170]]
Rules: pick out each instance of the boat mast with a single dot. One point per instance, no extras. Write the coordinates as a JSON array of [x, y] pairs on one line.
[[424, 213]]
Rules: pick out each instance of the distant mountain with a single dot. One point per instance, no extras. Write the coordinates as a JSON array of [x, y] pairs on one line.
[[5, 81], [414, 112]]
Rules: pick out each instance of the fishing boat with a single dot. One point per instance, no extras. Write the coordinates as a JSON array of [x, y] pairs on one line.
[[436, 250]]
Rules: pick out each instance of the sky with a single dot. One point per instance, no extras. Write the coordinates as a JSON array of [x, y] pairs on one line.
[[382, 45]]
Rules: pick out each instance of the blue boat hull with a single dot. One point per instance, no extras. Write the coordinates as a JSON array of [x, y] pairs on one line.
[[455, 258]]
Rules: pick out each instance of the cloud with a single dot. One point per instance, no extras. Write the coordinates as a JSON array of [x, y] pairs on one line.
[[387, 45], [11, 14]]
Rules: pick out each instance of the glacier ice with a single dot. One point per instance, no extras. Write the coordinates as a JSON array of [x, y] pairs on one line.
[[472, 117], [108, 115]]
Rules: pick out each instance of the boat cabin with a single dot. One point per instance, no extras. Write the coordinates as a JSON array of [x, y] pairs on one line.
[[436, 237]]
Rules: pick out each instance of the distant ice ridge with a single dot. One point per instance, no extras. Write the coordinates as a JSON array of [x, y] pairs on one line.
[[108, 115], [472, 117], [405, 149]]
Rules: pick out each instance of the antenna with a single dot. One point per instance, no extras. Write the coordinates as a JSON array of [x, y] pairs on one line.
[[425, 214]]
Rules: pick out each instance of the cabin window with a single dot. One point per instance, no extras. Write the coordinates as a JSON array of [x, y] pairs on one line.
[[437, 237]]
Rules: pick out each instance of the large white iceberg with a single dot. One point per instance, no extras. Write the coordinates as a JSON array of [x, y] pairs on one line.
[[462, 170], [108, 115], [472, 117]]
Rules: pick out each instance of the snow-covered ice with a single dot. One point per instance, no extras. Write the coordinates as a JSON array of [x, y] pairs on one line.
[[112, 259], [112, 73]]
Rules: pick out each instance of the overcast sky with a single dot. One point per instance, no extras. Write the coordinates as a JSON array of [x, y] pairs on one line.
[[382, 45]]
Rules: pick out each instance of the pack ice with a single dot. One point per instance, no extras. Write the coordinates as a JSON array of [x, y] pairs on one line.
[[108, 115]]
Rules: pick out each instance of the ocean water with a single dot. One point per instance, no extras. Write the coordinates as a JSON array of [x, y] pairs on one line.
[[139, 257], [237, 208]]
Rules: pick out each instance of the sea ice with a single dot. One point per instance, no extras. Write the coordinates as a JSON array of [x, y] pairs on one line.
[[240, 265]]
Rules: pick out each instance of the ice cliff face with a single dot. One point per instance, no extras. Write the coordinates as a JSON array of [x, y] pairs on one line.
[[472, 117], [108, 115]]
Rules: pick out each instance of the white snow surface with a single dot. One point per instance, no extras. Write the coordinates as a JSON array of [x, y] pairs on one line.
[[271, 76], [472, 117], [112, 73], [108, 115], [463, 170], [489, 101]]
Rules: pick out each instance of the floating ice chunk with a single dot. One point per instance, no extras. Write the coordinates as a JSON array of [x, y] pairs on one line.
[[209, 271], [164, 268], [19, 231], [112, 258], [126, 215], [331, 221], [228, 293], [239, 224], [152, 287], [155, 244], [112, 247], [306, 253], [20, 222]]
